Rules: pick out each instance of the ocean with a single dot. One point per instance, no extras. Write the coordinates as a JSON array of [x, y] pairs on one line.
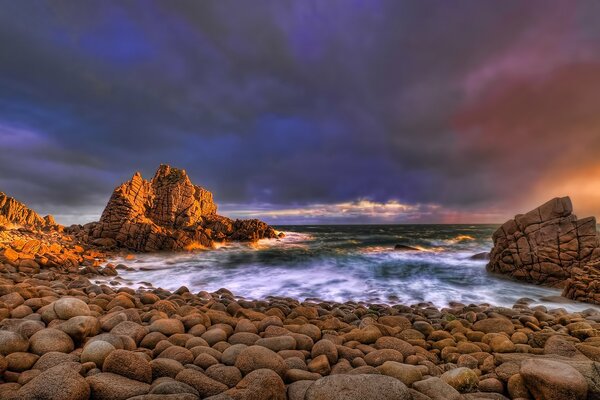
[[348, 263]]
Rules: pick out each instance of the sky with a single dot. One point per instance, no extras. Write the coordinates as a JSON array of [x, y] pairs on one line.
[[305, 111]]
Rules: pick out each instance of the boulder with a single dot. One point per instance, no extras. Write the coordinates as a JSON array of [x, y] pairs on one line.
[[203, 384], [259, 384], [11, 342], [553, 380], [128, 364], [461, 379], [169, 213], [69, 307], [407, 374], [256, 357], [62, 382], [108, 386], [545, 245], [436, 389], [50, 339], [357, 387], [97, 352]]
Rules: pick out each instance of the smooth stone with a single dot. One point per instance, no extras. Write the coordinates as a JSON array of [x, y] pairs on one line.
[[553, 380], [61, 382], [97, 352], [109, 386], [358, 387], [436, 389], [128, 364], [50, 339], [257, 357]]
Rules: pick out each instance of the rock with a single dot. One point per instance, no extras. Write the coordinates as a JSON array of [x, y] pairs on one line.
[[19, 362], [256, 357], [169, 213], [108, 386], [403, 247], [202, 383], [62, 382], [178, 353], [494, 325], [69, 307], [165, 367], [15, 213], [128, 364], [545, 245], [388, 342], [436, 389], [327, 348], [407, 374], [229, 376], [553, 380], [80, 327], [130, 329], [97, 352], [54, 358], [11, 342], [174, 387], [461, 379], [259, 384], [378, 357], [167, 327], [50, 339], [480, 256], [357, 387], [277, 343]]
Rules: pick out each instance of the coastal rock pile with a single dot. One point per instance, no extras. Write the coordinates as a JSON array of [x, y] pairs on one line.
[[168, 213], [16, 214], [546, 245]]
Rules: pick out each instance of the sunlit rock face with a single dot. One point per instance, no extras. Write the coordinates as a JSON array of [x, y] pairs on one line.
[[545, 245], [13, 213], [169, 213]]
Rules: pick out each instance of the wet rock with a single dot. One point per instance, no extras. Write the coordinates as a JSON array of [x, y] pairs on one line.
[[494, 325]]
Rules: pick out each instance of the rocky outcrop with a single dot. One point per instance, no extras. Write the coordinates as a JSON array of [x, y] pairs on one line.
[[546, 245], [168, 213], [13, 213], [584, 283]]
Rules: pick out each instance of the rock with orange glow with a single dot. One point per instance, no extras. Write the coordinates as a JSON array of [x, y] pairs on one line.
[[169, 213], [14, 213], [545, 245]]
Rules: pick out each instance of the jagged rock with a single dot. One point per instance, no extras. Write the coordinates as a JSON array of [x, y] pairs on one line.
[[15, 213], [545, 245], [169, 213]]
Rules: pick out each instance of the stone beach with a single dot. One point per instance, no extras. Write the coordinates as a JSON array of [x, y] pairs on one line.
[[71, 329]]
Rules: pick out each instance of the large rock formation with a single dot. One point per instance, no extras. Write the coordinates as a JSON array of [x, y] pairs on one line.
[[168, 213], [545, 245], [13, 213]]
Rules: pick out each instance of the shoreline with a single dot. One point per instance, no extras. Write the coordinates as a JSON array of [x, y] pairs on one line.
[[61, 334]]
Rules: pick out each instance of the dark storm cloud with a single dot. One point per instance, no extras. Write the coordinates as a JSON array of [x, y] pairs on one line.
[[287, 103]]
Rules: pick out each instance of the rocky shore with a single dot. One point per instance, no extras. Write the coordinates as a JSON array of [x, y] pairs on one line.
[[70, 331], [65, 336]]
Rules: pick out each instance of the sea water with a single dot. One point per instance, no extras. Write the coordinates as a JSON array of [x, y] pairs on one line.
[[348, 263]]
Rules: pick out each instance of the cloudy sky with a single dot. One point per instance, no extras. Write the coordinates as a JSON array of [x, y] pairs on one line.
[[305, 111]]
